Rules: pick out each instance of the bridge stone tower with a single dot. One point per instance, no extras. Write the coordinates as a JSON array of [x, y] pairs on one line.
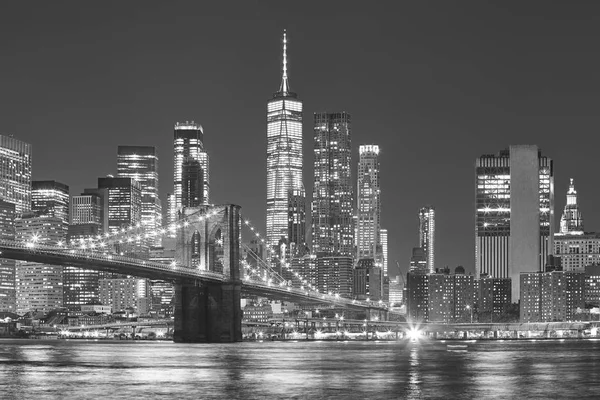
[[205, 311]]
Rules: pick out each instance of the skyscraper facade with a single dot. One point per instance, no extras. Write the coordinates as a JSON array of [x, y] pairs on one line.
[[297, 223], [188, 146], [571, 220], [124, 202], [383, 235], [15, 173], [7, 267], [88, 208], [332, 208], [38, 286], [51, 199], [141, 163], [514, 213], [284, 155], [368, 208], [427, 235]]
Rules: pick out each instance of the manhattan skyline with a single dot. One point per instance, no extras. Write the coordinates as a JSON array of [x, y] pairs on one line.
[[434, 87]]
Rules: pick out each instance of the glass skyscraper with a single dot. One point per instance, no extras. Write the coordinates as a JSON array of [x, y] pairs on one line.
[[332, 206], [51, 199], [188, 145], [514, 212], [141, 163], [368, 239], [427, 235], [15, 173], [284, 155]]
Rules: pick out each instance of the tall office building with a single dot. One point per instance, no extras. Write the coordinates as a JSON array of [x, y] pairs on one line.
[[571, 220], [427, 235], [124, 200], [514, 213], [332, 210], [38, 286], [51, 199], [297, 223], [383, 235], [141, 163], [7, 267], [89, 208], [284, 155], [192, 194], [188, 146], [418, 261], [368, 207], [15, 173]]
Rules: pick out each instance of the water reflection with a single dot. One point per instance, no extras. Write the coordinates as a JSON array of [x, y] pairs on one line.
[[48, 370]]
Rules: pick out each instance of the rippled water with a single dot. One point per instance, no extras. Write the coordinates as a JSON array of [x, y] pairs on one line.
[[347, 370]]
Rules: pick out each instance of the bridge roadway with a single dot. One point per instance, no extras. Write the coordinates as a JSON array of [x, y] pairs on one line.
[[88, 259]]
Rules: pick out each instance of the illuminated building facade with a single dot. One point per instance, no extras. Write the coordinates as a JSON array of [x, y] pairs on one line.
[[334, 274], [51, 199], [124, 199], [284, 155], [121, 294], [427, 235], [39, 287], [188, 146], [577, 250], [418, 261], [15, 173], [368, 207], [551, 296], [141, 163], [332, 205], [89, 208], [494, 295], [297, 223], [383, 236], [514, 213], [571, 220], [367, 280], [192, 184], [592, 285], [7, 267]]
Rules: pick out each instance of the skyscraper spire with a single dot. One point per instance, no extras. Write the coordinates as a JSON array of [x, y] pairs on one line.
[[284, 78], [571, 220]]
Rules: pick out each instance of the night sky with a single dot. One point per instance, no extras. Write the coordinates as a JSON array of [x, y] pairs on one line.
[[435, 84]]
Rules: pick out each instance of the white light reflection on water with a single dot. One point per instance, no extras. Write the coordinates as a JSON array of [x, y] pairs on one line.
[[352, 370]]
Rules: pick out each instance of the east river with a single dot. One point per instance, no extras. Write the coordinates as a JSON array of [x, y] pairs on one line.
[[80, 369]]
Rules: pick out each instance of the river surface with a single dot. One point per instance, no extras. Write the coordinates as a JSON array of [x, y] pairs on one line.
[[79, 369]]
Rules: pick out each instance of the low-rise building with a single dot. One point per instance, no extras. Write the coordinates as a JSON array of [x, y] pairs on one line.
[[551, 296]]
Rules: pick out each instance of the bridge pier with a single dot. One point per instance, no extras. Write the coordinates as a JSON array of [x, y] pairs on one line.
[[210, 313]]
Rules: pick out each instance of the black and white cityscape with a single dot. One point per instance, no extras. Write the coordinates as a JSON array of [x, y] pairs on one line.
[[221, 201]]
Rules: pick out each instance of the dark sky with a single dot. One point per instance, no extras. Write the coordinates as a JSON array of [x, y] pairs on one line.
[[435, 84]]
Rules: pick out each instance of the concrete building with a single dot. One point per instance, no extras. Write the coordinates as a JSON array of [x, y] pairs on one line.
[[121, 294], [417, 297], [396, 290], [418, 261], [592, 285], [284, 155], [552, 296], [257, 313], [441, 298], [335, 275], [514, 213], [39, 287], [368, 280], [427, 236], [494, 295], [577, 250], [383, 235], [571, 221], [296, 237]]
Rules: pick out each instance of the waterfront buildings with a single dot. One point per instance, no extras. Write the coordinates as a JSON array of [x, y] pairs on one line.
[[284, 156], [332, 210], [514, 213], [368, 280], [427, 235], [592, 285], [188, 145], [15, 173], [141, 163], [552, 296], [368, 207], [494, 295], [38, 286], [396, 291], [124, 293]]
